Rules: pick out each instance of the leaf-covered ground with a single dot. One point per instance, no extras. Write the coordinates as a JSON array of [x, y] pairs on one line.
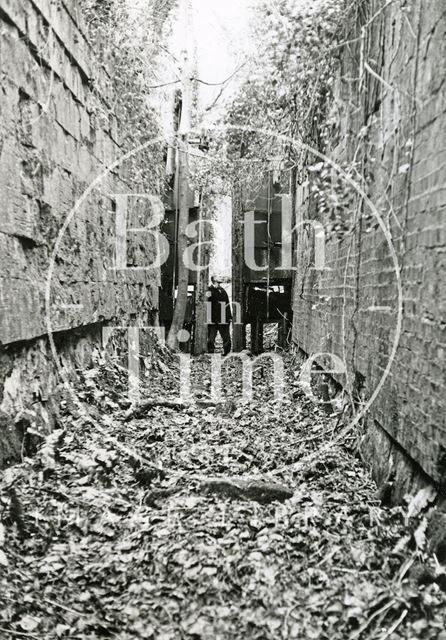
[[96, 545]]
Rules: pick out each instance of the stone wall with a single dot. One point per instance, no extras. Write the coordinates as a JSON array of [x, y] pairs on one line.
[[58, 135], [390, 101]]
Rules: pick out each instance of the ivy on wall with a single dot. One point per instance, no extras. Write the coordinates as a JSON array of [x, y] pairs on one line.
[[291, 89], [128, 40]]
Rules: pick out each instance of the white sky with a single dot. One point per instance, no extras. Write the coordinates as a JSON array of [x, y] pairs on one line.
[[218, 34]]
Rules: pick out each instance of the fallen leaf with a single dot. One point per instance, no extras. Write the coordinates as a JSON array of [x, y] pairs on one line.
[[420, 501], [29, 623], [3, 558]]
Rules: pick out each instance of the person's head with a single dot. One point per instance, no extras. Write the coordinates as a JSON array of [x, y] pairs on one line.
[[216, 281]]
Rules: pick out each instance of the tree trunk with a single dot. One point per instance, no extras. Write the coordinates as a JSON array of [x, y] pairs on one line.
[[201, 299], [183, 221], [238, 291]]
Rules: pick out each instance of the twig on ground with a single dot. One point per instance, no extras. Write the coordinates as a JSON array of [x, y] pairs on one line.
[[376, 614], [141, 409], [22, 634], [61, 606], [394, 626]]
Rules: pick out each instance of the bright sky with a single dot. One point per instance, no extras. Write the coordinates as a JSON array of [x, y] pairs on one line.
[[219, 30], [218, 34]]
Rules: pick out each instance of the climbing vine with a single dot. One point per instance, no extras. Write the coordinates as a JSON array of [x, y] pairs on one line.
[[287, 87], [289, 90], [129, 44]]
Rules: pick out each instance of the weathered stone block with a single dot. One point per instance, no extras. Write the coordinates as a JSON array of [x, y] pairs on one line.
[[49, 156]]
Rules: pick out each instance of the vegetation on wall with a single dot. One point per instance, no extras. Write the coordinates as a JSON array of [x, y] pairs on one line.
[[129, 43], [288, 97], [289, 84]]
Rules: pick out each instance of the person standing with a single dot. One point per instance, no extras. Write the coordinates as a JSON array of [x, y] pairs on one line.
[[219, 315]]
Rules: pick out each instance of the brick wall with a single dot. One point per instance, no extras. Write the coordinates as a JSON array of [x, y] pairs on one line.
[[390, 101], [59, 132]]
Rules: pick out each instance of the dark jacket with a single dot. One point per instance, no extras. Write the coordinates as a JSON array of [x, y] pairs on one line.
[[220, 307]]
